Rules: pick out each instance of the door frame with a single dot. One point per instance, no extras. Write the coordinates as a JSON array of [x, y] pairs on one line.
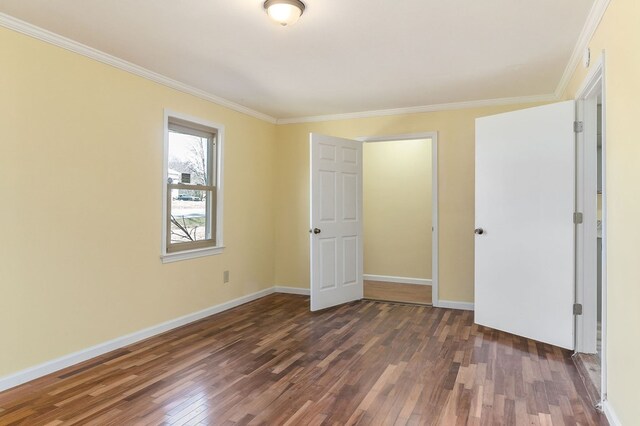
[[434, 198], [592, 86]]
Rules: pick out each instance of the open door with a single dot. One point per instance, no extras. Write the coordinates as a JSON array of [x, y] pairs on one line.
[[336, 221], [524, 246]]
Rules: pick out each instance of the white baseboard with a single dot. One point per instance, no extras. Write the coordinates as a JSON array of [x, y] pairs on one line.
[[292, 290], [52, 366], [49, 367], [611, 415], [452, 304], [398, 280]]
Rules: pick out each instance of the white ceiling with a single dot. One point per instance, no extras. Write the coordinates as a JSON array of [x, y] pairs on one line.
[[342, 56]]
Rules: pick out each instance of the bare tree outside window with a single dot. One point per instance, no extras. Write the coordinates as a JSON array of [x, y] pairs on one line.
[[195, 162]]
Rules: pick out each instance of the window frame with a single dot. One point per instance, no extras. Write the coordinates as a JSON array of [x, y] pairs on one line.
[[197, 249]]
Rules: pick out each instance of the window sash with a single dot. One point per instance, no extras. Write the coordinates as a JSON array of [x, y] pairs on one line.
[[210, 218], [190, 187], [194, 129], [211, 167]]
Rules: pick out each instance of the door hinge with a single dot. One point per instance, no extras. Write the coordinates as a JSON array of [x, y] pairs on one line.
[[578, 126], [577, 309], [578, 218]]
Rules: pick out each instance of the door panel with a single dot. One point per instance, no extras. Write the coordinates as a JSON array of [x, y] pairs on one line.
[[350, 197], [525, 192], [336, 212], [327, 187], [350, 253], [328, 261]]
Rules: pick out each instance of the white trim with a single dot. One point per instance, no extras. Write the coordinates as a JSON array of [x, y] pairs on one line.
[[191, 254], [594, 18], [593, 77], [611, 415], [418, 109], [292, 290], [220, 142], [209, 251], [604, 357], [579, 235], [57, 40], [398, 137], [52, 366], [49, 367], [398, 280], [435, 221], [591, 25], [593, 83], [453, 304], [586, 185], [32, 373]]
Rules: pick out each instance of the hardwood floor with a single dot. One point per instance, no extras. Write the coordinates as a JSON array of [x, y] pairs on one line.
[[273, 362], [394, 292]]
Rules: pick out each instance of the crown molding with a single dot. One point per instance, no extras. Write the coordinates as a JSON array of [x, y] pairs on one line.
[[591, 25], [595, 16], [57, 40], [418, 109]]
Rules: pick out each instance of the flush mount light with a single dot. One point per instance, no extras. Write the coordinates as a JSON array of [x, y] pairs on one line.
[[284, 12]]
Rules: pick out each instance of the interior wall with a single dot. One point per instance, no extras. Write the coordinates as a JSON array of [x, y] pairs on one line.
[[617, 34], [397, 208], [456, 157], [81, 187], [80, 180]]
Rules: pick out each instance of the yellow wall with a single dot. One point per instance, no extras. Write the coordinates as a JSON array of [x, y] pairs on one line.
[[456, 157], [397, 208], [80, 184], [619, 36], [81, 193]]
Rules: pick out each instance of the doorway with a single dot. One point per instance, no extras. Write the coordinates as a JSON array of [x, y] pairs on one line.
[[400, 218], [590, 356]]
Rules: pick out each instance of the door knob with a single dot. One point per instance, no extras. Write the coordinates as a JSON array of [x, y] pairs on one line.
[[479, 231], [317, 230]]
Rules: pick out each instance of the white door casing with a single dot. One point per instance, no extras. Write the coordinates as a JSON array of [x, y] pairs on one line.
[[336, 212], [525, 192], [587, 232], [434, 202], [592, 88]]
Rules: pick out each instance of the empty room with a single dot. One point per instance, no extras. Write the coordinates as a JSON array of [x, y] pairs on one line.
[[306, 212]]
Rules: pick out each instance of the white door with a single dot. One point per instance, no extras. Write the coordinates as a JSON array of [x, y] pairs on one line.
[[524, 243], [336, 221]]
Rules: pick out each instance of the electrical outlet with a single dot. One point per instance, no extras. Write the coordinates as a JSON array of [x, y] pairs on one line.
[[225, 276]]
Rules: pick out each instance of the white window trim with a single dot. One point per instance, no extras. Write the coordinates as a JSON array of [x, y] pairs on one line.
[[201, 252]]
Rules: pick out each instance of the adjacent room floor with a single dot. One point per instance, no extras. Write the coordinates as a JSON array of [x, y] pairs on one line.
[[395, 292], [273, 362]]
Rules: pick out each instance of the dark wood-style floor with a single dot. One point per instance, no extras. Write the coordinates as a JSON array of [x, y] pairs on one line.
[[273, 362]]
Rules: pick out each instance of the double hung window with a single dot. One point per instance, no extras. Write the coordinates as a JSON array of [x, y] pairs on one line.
[[192, 188]]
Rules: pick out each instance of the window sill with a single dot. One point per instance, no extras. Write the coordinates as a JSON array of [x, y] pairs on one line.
[[191, 254]]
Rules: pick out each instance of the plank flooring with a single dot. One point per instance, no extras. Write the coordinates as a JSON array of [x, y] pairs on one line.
[[395, 292], [272, 362]]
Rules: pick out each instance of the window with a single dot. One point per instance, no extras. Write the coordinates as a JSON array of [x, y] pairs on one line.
[[192, 225]]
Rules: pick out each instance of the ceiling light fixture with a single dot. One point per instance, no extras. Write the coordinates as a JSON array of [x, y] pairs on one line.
[[284, 12]]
